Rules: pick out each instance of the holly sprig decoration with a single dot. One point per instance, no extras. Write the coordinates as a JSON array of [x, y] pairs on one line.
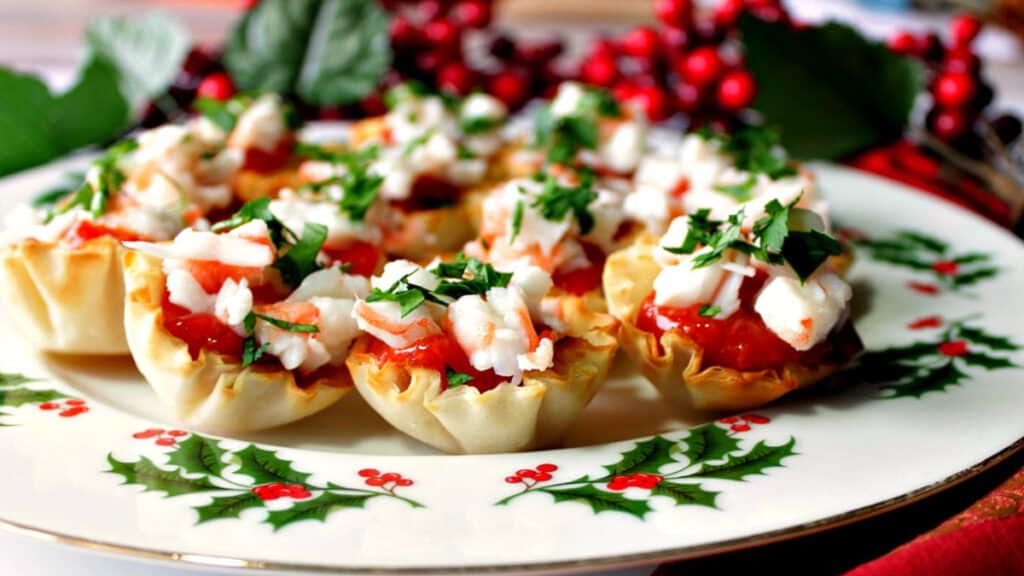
[[248, 478], [14, 394], [927, 254], [674, 469], [935, 364]]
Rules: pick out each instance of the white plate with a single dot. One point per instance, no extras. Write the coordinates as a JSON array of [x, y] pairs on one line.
[[804, 463]]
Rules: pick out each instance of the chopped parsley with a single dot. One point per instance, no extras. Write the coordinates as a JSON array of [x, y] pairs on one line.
[[109, 179], [479, 124], [742, 192], [481, 277], [517, 221], [259, 209], [359, 186], [407, 295], [564, 136], [250, 351], [754, 149], [709, 311], [456, 379], [784, 235], [416, 142], [556, 201], [299, 259], [225, 114]]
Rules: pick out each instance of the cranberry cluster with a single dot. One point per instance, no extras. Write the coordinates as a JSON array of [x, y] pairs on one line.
[[959, 92], [688, 63], [743, 423], [278, 490], [69, 409], [377, 480], [638, 480], [530, 477], [163, 437]]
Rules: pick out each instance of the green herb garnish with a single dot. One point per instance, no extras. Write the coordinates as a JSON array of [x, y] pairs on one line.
[[517, 221], [259, 209], [742, 192], [299, 260], [456, 379], [358, 185], [481, 277], [709, 311], [109, 179], [556, 201], [407, 295], [564, 136]]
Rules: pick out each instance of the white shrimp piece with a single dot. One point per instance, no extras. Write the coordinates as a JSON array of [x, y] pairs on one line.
[[497, 333], [398, 269], [262, 125], [802, 315], [295, 212], [680, 285], [650, 205], [331, 283], [236, 248], [534, 283], [384, 321], [183, 290], [622, 151], [338, 328], [233, 303], [608, 216]]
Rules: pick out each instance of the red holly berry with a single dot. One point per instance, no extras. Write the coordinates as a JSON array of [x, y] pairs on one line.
[[75, 402], [526, 473], [177, 433], [903, 42], [948, 125], [641, 42], [542, 477], [674, 41], [926, 322], [961, 61], [727, 13], [216, 86], [674, 12], [513, 479], [923, 288], [736, 91], [51, 406], [441, 34], [729, 420], [390, 477], [473, 13], [431, 9], [702, 66], [739, 427], [511, 87], [653, 101], [756, 419], [547, 468], [375, 482], [404, 482], [688, 98], [954, 90], [455, 77], [148, 433], [953, 348], [373, 104], [602, 47], [964, 28], [946, 267], [166, 441], [623, 90], [72, 412], [369, 472], [601, 71]]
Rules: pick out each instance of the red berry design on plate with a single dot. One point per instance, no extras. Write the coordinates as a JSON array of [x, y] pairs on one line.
[[216, 86], [923, 288], [946, 267], [953, 348], [49, 406], [369, 472], [926, 322], [547, 468], [166, 441], [739, 427], [639, 480]]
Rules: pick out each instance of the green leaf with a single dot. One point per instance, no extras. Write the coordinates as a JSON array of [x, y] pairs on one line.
[[599, 500], [282, 324], [709, 311], [829, 90], [326, 51], [147, 51], [517, 221], [264, 467], [299, 260], [738, 467], [11, 379], [930, 380], [222, 507], [979, 336], [929, 243], [986, 361], [709, 442], [972, 257], [645, 456], [90, 111], [971, 278], [251, 352], [258, 209], [905, 353], [468, 276], [806, 251], [742, 192], [456, 379], [556, 201], [18, 396], [223, 114], [171, 482], [25, 106], [316, 509], [198, 455], [686, 494]]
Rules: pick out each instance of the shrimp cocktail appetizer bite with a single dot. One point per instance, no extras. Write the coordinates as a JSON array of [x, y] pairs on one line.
[[470, 359]]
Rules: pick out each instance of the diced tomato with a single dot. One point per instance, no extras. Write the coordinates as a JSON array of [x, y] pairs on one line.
[[361, 257], [200, 331], [680, 189], [742, 341], [87, 230], [265, 162], [211, 274], [579, 281], [437, 352]]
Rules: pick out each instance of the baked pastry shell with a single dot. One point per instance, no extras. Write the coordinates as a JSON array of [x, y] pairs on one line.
[[213, 392]]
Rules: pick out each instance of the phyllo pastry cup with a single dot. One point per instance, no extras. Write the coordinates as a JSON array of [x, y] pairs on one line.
[[66, 299], [462, 420], [674, 363], [213, 392]]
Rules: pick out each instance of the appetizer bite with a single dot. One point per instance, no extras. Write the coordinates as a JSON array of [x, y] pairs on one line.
[[60, 272], [471, 360], [431, 150], [720, 172], [563, 224], [721, 315], [243, 327]]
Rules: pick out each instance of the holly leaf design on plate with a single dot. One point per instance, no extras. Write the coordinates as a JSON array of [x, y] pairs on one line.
[[930, 380], [600, 500], [972, 278], [10, 379], [646, 456], [739, 466], [992, 342], [709, 442], [686, 494], [316, 509], [222, 507], [264, 467], [198, 455], [19, 396], [145, 473], [986, 361]]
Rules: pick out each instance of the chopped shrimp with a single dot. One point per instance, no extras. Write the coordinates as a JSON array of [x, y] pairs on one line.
[[383, 320]]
